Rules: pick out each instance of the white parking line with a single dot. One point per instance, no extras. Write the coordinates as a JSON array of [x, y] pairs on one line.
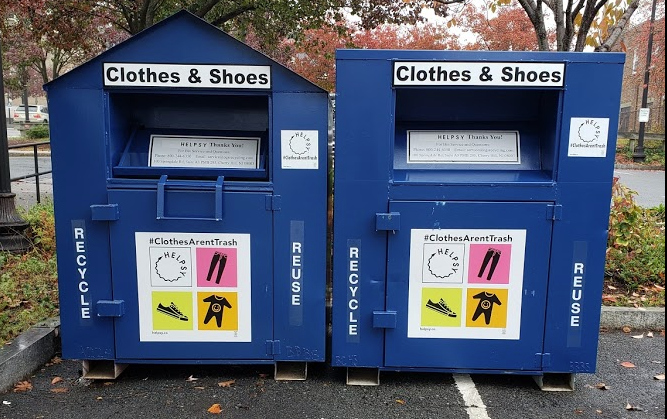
[[473, 401]]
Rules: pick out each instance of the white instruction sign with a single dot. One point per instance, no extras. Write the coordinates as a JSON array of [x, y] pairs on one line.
[[466, 283], [588, 137], [194, 287], [204, 152], [299, 149], [491, 147]]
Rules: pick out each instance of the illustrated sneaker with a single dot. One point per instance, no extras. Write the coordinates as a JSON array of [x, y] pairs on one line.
[[446, 310], [435, 307], [172, 311]]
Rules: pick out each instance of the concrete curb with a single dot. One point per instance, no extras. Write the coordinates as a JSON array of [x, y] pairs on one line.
[[652, 318], [29, 351], [34, 348]]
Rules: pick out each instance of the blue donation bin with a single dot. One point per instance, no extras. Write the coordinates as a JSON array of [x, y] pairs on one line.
[[472, 196], [190, 178]]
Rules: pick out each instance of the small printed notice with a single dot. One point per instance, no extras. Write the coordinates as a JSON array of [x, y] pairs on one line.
[[194, 287], [466, 284], [588, 137], [472, 147], [204, 152]]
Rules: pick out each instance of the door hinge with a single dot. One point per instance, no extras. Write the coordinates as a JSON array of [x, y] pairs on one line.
[[108, 212], [384, 319], [543, 360], [554, 212], [273, 347], [385, 221], [110, 308], [273, 202]]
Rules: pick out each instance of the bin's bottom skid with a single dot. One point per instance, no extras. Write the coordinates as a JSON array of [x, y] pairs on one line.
[[110, 370], [545, 381]]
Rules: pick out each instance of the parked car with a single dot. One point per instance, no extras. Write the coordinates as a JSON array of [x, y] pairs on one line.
[[37, 113]]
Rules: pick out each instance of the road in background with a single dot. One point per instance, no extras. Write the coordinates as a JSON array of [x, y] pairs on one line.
[[649, 185]]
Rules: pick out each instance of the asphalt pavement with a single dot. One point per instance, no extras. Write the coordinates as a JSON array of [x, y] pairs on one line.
[[176, 391]]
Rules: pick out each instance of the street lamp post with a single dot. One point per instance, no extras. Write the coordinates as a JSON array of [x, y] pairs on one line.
[[12, 225], [638, 155]]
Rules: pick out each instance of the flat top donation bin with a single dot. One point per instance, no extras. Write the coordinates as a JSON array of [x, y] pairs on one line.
[[190, 179], [472, 194]]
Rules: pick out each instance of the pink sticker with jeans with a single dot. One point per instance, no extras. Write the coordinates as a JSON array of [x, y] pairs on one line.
[[489, 263], [216, 267]]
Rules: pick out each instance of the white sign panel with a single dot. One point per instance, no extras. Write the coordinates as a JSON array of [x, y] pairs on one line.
[[588, 137], [466, 284], [644, 114], [187, 75], [194, 287], [299, 149], [494, 147], [509, 74], [204, 152]]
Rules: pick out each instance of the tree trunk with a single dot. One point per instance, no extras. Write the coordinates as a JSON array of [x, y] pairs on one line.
[[617, 30]]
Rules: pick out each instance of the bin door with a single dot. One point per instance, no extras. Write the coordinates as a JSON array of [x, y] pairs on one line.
[[192, 287], [468, 283]]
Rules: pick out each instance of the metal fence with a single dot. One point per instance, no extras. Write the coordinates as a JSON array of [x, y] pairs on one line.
[[36, 174], [629, 118]]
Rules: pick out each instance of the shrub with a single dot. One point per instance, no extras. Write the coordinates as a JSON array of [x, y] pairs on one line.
[[636, 241], [28, 282], [37, 132]]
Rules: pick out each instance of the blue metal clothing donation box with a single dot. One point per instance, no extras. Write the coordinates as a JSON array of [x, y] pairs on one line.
[[190, 178], [472, 195]]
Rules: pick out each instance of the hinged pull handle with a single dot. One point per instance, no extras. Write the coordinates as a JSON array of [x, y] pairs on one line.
[[162, 186]]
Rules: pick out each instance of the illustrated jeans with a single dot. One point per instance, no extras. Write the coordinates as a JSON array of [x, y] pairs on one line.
[[217, 259], [492, 255]]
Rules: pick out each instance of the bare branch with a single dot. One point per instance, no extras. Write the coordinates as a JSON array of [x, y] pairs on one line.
[[202, 10], [231, 15], [617, 30]]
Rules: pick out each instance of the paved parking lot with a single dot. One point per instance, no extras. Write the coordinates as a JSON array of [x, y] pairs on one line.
[[248, 392]]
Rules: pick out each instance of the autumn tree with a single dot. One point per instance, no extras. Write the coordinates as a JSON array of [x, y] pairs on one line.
[[268, 21], [314, 55], [45, 38], [507, 30]]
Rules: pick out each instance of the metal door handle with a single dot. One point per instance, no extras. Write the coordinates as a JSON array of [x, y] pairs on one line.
[[162, 186]]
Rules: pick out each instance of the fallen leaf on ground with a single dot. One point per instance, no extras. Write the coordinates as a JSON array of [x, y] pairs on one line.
[[659, 377], [626, 329], [263, 375], [578, 411], [107, 383], [638, 336], [215, 409], [23, 386], [598, 411], [200, 388], [601, 386], [226, 383], [399, 401], [649, 335], [56, 380], [59, 390], [191, 378], [633, 408], [628, 364]]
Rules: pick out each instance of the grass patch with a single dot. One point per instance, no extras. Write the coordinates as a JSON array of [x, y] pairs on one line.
[[28, 282]]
